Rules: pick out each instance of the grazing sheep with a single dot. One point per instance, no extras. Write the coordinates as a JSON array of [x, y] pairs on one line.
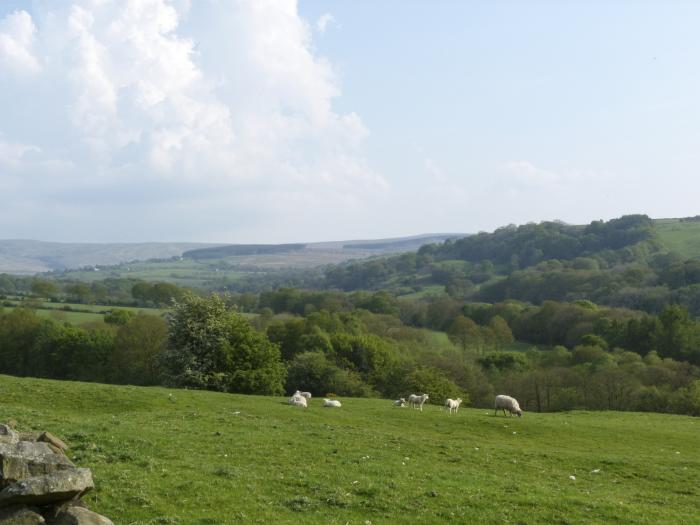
[[333, 403], [417, 401], [298, 400], [453, 404], [507, 403], [401, 402]]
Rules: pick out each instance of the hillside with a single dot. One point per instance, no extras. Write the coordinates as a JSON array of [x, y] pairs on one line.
[[176, 456], [25, 257], [681, 236], [224, 266]]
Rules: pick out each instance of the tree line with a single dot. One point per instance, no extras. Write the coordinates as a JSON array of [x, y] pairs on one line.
[[555, 356]]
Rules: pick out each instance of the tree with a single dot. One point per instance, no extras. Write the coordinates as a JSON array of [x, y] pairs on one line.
[[43, 288], [501, 331], [138, 344], [214, 348], [464, 332]]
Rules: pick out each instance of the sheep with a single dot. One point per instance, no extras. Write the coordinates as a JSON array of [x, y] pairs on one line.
[[507, 403], [417, 401], [298, 400], [333, 403], [401, 402], [307, 395], [453, 404]]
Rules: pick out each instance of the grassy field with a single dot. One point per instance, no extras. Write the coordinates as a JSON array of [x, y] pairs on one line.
[[682, 237], [79, 314], [204, 458]]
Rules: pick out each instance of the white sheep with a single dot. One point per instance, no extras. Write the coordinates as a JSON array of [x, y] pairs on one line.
[[333, 403], [298, 400], [417, 401], [401, 402], [507, 403], [307, 395], [453, 404]]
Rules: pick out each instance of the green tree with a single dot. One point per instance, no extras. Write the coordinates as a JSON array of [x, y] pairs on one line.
[[43, 288], [215, 348], [138, 344], [463, 332]]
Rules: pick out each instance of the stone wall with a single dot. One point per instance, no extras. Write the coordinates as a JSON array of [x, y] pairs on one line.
[[39, 484]]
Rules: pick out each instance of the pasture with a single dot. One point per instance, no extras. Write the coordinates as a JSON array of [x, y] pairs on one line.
[[164, 456], [682, 237]]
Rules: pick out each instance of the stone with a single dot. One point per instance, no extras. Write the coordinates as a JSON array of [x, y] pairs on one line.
[[27, 459], [7, 435], [48, 437], [50, 488], [80, 516], [20, 516]]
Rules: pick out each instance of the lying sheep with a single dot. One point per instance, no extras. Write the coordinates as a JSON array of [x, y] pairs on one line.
[[453, 404], [401, 402], [507, 403], [307, 395], [417, 401], [333, 403], [298, 400]]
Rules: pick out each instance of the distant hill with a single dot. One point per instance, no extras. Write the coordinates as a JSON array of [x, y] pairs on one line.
[[26, 257]]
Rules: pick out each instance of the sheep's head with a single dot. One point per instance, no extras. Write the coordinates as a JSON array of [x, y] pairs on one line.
[[519, 412]]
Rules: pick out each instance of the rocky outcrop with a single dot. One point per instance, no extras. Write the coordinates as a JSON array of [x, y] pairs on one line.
[[39, 484]]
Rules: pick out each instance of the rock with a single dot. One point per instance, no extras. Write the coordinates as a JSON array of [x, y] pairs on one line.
[[7, 435], [27, 459], [20, 516], [50, 488], [80, 516], [48, 437]]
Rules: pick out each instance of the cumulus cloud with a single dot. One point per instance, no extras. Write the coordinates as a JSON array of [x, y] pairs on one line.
[[16, 41], [202, 106], [323, 21]]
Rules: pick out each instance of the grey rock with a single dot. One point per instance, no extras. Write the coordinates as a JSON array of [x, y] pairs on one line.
[[50, 488], [48, 437], [80, 516], [20, 516], [27, 459], [7, 435]]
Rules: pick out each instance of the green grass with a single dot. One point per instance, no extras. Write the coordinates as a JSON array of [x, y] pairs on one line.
[[206, 458], [86, 313], [681, 237]]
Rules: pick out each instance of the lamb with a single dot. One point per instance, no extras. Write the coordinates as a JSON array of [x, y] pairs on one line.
[[507, 403], [401, 402], [453, 404], [333, 403], [298, 400], [417, 401]]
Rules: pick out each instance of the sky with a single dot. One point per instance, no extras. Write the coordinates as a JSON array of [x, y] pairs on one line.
[[269, 121]]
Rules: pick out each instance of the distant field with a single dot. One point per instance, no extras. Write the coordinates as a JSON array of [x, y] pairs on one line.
[[76, 318], [682, 237], [58, 311], [205, 458]]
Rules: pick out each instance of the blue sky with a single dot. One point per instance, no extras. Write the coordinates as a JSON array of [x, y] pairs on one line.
[[272, 121]]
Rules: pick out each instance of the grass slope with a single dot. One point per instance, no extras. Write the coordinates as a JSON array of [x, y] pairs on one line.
[[206, 458], [678, 236]]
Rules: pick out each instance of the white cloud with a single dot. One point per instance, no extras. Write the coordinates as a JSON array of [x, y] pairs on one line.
[[524, 174], [204, 106], [323, 21], [16, 41]]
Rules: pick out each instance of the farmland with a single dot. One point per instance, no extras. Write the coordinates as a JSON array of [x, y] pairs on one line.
[[191, 457]]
